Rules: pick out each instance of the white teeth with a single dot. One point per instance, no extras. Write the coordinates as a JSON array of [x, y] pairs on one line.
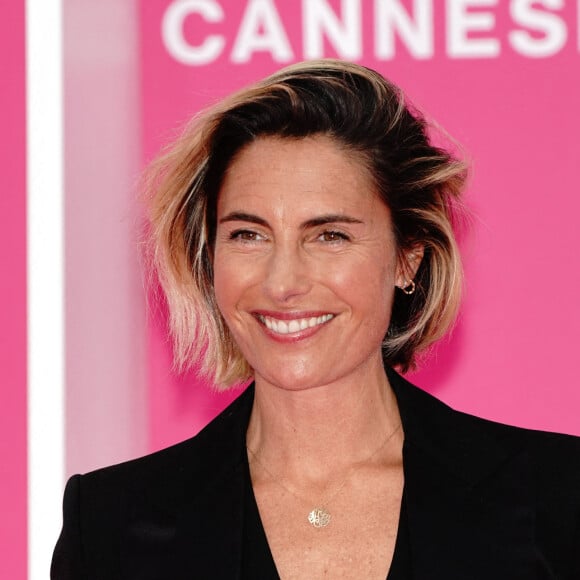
[[292, 326]]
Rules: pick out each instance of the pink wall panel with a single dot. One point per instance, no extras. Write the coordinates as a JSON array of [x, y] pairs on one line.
[[501, 77], [105, 358], [12, 300]]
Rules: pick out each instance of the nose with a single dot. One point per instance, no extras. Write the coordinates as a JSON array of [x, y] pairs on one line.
[[287, 274]]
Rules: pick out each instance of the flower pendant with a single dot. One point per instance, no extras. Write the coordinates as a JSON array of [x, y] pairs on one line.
[[319, 518]]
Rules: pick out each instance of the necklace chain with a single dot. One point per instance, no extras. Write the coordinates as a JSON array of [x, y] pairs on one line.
[[319, 516]]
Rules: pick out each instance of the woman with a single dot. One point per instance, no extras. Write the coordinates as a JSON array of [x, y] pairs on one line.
[[302, 232]]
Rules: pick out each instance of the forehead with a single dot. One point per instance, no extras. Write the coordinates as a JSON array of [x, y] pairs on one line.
[[285, 175]]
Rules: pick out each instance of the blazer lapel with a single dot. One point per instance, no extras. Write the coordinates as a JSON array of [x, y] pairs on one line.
[[470, 512], [192, 528]]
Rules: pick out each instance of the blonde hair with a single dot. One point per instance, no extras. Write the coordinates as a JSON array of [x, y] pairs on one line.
[[363, 113]]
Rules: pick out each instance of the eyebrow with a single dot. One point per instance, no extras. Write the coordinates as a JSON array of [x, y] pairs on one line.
[[331, 218], [240, 216]]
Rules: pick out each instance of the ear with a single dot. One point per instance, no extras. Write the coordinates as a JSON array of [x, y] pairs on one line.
[[409, 262]]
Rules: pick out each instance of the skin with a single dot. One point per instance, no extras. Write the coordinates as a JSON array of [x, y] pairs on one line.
[[305, 267]]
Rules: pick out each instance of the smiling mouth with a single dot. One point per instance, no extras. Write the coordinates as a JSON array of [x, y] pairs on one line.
[[293, 326]]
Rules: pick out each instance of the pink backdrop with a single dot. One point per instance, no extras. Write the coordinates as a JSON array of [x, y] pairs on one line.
[[502, 78], [13, 297]]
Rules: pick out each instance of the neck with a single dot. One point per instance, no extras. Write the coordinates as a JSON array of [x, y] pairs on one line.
[[325, 429]]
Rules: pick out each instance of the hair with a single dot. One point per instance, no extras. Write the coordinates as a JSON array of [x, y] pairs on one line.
[[364, 114]]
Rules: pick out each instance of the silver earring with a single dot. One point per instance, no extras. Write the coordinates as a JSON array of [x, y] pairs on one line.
[[409, 288]]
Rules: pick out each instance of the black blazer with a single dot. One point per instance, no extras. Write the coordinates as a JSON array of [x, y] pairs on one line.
[[485, 501]]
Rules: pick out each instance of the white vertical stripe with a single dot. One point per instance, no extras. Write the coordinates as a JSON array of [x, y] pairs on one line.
[[45, 232]]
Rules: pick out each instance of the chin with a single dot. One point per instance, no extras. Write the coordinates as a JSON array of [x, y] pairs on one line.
[[290, 381]]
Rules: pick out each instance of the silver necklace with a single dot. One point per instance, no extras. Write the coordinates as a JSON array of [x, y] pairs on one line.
[[319, 516]]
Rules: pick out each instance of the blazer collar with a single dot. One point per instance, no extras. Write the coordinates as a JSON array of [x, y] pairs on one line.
[[469, 505], [465, 503], [467, 447], [190, 526]]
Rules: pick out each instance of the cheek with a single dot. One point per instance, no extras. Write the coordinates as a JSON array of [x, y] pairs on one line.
[[224, 284], [372, 291], [370, 279], [232, 282]]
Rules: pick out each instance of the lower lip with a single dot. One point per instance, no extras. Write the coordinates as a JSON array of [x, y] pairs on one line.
[[293, 336]]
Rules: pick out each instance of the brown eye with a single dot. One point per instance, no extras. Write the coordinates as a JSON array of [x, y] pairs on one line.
[[246, 236], [333, 236]]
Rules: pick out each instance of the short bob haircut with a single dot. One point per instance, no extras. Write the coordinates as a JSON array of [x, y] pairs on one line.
[[368, 117]]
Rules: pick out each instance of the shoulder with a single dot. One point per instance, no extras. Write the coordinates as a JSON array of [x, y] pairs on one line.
[[429, 416], [137, 507], [162, 480], [553, 458], [505, 482], [213, 449], [474, 447]]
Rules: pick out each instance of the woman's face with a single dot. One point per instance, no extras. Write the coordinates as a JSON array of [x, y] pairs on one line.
[[305, 262]]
